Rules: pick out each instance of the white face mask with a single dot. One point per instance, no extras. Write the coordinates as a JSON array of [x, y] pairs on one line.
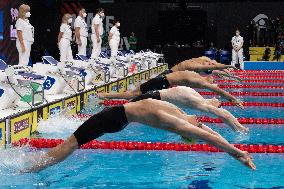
[[84, 15], [28, 14], [237, 34], [102, 14], [69, 21], [118, 24]]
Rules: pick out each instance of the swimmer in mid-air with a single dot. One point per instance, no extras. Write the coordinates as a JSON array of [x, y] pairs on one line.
[[204, 65], [179, 78], [186, 97], [164, 116]]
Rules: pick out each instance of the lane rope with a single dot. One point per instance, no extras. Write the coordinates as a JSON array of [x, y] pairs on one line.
[[206, 119], [250, 87], [246, 93], [252, 81], [120, 102], [153, 146]]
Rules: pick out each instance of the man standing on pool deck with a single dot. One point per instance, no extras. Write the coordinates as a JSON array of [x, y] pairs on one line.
[[179, 78], [186, 97], [164, 116]]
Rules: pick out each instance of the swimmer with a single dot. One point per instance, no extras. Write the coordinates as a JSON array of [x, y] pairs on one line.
[[186, 97], [204, 65], [164, 116], [179, 78]]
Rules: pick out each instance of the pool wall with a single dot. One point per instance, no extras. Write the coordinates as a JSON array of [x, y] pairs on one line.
[[23, 124]]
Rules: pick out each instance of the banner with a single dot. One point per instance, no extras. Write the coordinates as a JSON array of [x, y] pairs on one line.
[[2, 133], [34, 121], [122, 87], [113, 87], [101, 89], [71, 105], [136, 79], [153, 71], [129, 81], [55, 108], [21, 127], [88, 96]]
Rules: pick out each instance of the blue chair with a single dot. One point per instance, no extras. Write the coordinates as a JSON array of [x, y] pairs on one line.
[[225, 56], [210, 54]]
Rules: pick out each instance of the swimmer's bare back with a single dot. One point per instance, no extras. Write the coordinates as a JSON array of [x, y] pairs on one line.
[[164, 116]]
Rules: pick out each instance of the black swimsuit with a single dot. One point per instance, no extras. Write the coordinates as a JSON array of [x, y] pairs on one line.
[[157, 83], [109, 120], [151, 94]]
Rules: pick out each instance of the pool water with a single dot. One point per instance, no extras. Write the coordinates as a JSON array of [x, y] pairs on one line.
[[152, 169]]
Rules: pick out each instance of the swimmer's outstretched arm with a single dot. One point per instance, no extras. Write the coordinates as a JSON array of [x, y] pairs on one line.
[[222, 93], [123, 95], [185, 129], [212, 67], [55, 155], [225, 74], [224, 115]]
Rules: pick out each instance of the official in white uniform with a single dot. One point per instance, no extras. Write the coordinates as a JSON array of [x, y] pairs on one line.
[[64, 39], [237, 51], [114, 38], [97, 32], [25, 35], [81, 32]]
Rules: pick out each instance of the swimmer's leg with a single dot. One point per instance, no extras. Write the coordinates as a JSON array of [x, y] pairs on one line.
[[181, 127]]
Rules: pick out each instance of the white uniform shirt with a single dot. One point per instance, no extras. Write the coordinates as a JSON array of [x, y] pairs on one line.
[[26, 28], [66, 30], [80, 23], [115, 33], [97, 20], [237, 41]]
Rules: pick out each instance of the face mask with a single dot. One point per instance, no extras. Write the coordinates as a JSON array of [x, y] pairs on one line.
[[237, 34], [69, 21], [102, 14], [84, 15], [28, 14], [118, 24]]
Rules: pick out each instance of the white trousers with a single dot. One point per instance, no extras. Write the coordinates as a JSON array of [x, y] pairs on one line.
[[24, 57], [82, 49], [238, 56], [65, 50], [97, 47], [113, 44]]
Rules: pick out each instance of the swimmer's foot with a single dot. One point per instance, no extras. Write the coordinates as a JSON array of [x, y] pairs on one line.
[[245, 159]]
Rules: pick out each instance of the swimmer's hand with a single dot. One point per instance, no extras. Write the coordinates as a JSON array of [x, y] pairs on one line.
[[246, 159], [238, 103]]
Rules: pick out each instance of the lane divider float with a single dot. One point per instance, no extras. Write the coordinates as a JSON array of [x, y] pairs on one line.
[[153, 146]]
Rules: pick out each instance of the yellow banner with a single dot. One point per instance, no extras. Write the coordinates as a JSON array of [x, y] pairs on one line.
[[35, 121], [147, 75], [130, 81], [79, 103], [88, 96], [55, 108], [2, 133], [71, 105], [136, 79], [112, 87], [153, 71], [122, 85], [101, 89], [21, 127]]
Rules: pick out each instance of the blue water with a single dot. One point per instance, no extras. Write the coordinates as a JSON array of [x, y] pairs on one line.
[[153, 169]]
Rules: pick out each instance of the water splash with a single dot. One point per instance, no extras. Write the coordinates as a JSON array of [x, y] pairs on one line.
[[16, 159]]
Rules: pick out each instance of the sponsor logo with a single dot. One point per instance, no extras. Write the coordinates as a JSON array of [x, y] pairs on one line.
[[260, 20], [71, 105], [55, 110], [21, 125]]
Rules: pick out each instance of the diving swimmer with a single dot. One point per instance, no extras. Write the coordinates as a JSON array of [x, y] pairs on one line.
[[179, 78], [164, 116]]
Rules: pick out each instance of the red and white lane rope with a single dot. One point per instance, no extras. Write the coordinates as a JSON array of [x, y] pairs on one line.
[[157, 146]]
